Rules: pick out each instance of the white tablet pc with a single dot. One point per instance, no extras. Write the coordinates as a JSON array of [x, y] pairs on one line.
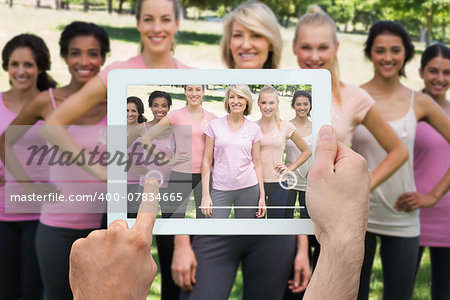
[[141, 83]]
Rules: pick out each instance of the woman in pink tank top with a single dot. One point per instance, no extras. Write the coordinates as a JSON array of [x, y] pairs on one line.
[[26, 58], [135, 121], [157, 23], [432, 174], [83, 46], [389, 47]]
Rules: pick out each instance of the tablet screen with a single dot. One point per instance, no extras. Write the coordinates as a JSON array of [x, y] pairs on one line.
[[172, 154]]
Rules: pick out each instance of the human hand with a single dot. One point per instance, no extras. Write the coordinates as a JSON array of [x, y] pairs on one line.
[[302, 272], [337, 191], [184, 265], [178, 158], [207, 205], [413, 200], [116, 263], [261, 212], [280, 168]]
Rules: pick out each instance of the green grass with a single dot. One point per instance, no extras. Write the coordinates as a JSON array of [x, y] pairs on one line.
[[197, 46]]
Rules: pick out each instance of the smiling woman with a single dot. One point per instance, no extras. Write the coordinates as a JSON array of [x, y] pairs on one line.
[[389, 47], [251, 38], [27, 59]]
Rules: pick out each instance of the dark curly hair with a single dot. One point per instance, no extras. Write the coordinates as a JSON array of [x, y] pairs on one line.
[[159, 94], [78, 28]]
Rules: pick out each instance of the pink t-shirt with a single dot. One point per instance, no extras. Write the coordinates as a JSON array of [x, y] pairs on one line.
[[349, 114], [190, 138], [75, 182], [136, 62], [35, 171], [233, 163], [431, 162], [272, 148]]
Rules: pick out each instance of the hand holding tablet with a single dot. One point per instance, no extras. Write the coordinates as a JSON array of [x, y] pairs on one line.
[[112, 263]]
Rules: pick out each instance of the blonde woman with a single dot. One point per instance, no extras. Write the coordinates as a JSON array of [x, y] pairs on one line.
[[276, 133], [233, 142], [251, 38], [316, 46], [267, 259]]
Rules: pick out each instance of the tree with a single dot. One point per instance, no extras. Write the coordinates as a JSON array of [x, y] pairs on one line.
[[342, 11], [421, 12]]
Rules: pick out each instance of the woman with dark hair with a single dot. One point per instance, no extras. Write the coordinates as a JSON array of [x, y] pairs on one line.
[[302, 104], [389, 47], [83, 46], [432, 174], [135, 117], [135, 111], [159, 103], [26, 59]]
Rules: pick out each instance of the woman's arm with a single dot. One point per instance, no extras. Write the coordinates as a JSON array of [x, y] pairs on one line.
[[29, 115], [302, 146], [396, 152], [256, 158], [135, 132], [302, 270], [206, 170], [78, 104], [414, 200], [429, 111], [426, 109]]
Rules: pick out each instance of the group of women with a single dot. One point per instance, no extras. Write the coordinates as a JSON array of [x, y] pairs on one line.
[[204, 267]]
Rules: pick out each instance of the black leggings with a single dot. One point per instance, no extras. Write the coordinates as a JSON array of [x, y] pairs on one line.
[[399, 258], [183, 184], [53, 246], [19, 269], [292, 198], [440, 271]]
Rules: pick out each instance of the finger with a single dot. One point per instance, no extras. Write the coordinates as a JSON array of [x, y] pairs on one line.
[[193, 272], [187, 281], [118, 225], [148, 209], [326, 150]]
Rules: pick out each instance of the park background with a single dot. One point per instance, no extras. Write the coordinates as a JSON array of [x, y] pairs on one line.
[[197, 45]]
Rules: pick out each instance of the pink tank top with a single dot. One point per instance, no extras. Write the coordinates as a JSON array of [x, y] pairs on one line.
[[20, 211], [75, 183], [431, 162]]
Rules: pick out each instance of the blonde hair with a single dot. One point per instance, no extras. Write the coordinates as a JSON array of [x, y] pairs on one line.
[[268, 89], [259, 18], [240, 90], [317, 17]]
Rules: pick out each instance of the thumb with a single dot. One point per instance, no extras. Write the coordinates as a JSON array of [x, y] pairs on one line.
[[326, 149]]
